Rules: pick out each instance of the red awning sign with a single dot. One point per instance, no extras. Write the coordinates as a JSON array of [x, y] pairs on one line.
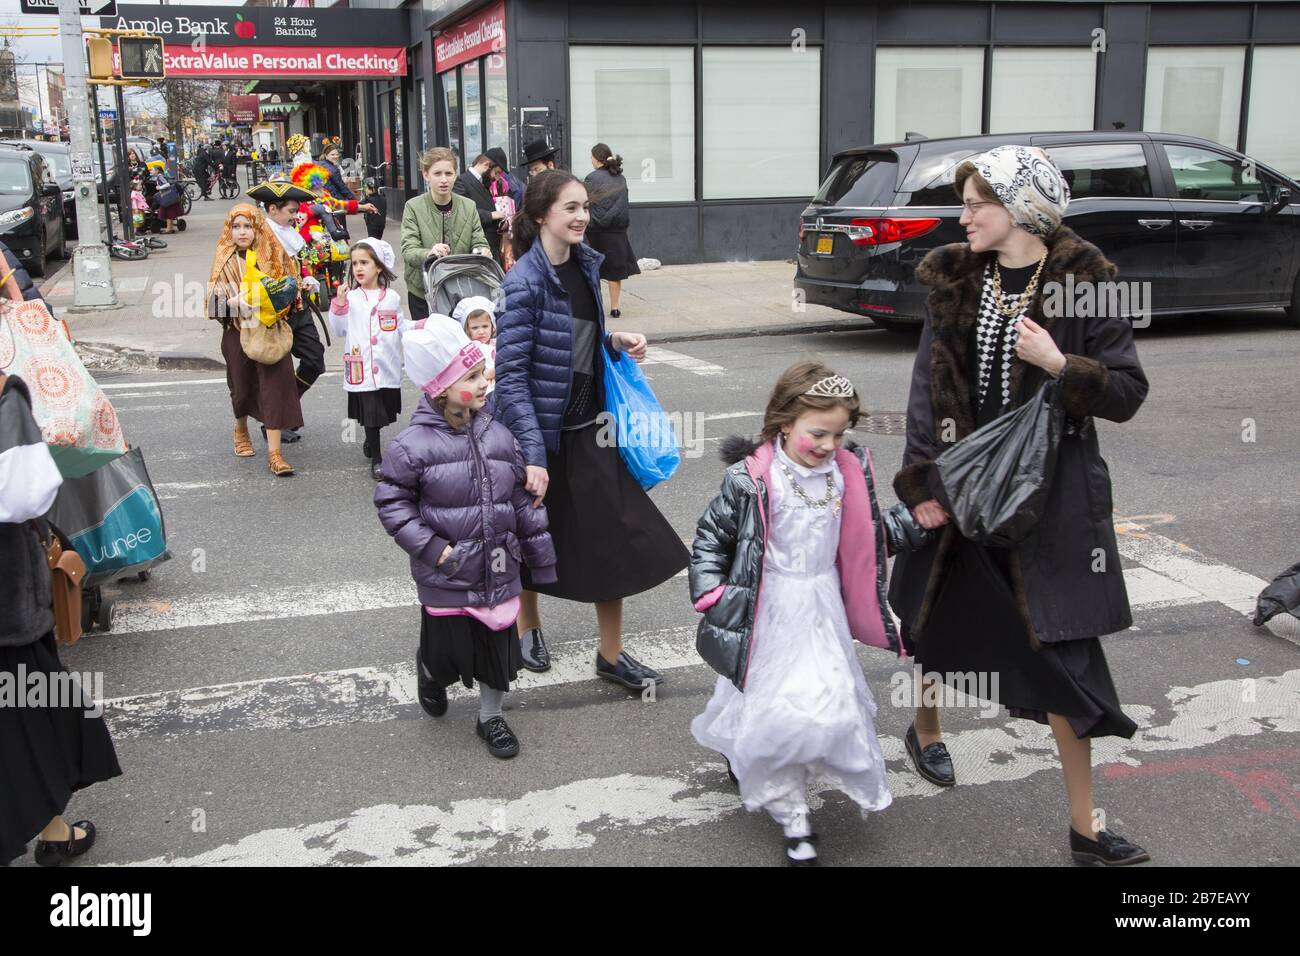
[[475, 36], [335, 63]]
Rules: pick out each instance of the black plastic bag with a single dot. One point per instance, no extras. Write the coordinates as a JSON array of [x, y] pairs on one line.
[[1283, 594], [997, 478]]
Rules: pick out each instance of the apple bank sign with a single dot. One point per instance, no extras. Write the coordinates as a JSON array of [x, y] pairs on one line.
[[250, 42]]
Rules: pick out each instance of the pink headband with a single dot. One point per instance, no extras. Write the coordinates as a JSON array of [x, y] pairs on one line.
[[469, 356]]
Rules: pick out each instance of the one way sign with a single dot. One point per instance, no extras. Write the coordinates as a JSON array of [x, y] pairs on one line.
[[89, 8]]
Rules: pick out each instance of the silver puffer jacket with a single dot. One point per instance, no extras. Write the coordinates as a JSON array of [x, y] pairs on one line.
[[730, 540]]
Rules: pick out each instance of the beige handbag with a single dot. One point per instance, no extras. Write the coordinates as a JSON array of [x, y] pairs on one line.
[[265, 345]]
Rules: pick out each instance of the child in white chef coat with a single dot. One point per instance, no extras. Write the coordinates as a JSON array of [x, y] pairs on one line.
[[368, 312], [477, 315]]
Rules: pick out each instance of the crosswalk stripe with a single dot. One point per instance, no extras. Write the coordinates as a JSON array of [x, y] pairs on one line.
[[353, 695], [573, 816], [661, 356]]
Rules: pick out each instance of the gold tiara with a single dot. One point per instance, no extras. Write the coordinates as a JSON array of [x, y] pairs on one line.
[[832, 386]]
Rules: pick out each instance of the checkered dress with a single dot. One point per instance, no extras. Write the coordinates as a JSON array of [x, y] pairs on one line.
[[995, 341]]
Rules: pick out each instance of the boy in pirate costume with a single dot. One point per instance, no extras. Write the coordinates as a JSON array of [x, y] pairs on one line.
[[281, 201]]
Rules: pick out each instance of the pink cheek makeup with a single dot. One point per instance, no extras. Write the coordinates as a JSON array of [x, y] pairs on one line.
[[466, 397]]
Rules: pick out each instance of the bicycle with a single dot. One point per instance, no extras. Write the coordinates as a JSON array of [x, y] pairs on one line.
[[229, 187]]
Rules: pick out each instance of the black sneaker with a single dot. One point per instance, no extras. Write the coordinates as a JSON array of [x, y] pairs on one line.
[[501, 740], [532, 647], [1108, 849], [627, 671], [432, 695], [932, 761]]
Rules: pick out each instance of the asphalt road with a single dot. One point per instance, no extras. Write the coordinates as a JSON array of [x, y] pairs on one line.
[[261, 681]]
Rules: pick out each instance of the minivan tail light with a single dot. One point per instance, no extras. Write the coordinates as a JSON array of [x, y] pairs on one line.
[[877, 232]]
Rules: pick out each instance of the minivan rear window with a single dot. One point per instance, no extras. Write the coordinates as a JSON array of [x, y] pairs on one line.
[[930, 180], [866, 180]]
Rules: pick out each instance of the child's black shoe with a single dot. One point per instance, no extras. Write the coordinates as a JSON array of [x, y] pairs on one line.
[[432, 695], [501, 740]]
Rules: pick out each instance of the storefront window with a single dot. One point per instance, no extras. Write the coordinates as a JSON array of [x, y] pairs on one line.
[[1273, 125], [640, 101], [472, 111], [936, 91], [498, 107], [1195, 90], [449, 87], [750, 94], [1042, 88], [386, 135]]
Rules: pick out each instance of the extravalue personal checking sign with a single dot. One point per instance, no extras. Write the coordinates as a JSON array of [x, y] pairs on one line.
[[272, 41]]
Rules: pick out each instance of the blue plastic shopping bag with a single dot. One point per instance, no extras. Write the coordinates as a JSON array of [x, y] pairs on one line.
[[646, 438]]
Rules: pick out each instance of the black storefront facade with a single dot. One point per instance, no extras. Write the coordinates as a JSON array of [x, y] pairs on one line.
[[727, 113]]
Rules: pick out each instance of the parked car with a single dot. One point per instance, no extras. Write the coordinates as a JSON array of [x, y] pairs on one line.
[[31, 209], [58, 160], [1211, 229]]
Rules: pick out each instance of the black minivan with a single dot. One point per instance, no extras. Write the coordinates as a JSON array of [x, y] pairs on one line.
[[1208, 228], [31, 209]]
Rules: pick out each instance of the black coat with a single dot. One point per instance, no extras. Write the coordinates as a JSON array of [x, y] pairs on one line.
[[336, 187], [609, 204], [1066, 575], [21, 276], [470, 185]]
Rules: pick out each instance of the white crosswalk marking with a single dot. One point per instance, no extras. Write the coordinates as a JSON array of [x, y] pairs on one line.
[[661, 356], [572, 816]]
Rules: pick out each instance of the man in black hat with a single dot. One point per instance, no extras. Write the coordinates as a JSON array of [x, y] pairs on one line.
[[539, 156], [472, 184]]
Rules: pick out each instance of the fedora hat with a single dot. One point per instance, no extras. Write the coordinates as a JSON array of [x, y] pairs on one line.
[[538, 151]]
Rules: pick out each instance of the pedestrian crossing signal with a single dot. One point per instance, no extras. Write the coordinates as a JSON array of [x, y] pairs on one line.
[[99, 58], [142, 58]]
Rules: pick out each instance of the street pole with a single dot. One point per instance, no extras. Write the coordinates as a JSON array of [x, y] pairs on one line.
[[92, 270], [123, 174], [103, 170]]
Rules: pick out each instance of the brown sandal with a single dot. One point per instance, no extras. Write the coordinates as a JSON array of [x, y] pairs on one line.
[[279, 467], [243, 442]]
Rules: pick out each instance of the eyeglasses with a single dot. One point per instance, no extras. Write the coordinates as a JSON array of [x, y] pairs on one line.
[[974, 207]]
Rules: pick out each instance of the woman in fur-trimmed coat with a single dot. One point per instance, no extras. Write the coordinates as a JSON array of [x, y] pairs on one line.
[[1030, 615]]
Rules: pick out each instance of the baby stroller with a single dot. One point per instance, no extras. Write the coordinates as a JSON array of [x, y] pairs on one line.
[[449, 279]]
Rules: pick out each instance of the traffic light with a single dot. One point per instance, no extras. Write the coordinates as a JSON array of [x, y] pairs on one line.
[[142, 58], [99, 52]]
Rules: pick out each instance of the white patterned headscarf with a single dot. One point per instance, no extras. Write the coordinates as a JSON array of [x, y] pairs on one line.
[[1027, 182]]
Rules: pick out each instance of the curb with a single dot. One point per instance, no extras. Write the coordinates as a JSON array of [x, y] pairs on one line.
[[795, 328], [189, 360]]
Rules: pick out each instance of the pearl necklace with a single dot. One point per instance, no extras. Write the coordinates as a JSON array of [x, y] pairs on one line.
[[808, 499]]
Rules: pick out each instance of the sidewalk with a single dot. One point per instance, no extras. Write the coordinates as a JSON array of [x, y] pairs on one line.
[[158, 321]]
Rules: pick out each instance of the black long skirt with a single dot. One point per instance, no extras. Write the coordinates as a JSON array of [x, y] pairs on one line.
[[46, 753], [460, 648], [375, 409], [620, 260], [974, 625], [610, 540]]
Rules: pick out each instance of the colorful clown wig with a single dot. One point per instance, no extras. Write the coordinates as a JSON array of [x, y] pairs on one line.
[[310, 176]]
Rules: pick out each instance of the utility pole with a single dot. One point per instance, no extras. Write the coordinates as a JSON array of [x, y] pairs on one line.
[[92, 271]]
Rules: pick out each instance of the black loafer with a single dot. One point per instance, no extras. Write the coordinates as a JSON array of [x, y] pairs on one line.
[[615, 313], [374, 470], [53, 853], [532, 647], [932, 761], [627, 671], [432, 695], [501, 740], [289, 435], [1108, 849]]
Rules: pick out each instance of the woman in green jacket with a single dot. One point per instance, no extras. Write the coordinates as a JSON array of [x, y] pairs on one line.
[[438, 223]]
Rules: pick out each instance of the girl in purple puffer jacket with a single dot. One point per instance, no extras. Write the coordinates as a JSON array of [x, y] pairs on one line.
[[451, 492]]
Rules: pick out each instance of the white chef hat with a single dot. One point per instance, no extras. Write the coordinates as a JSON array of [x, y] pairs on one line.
[[382, 250], [474, 303], [439, 354]]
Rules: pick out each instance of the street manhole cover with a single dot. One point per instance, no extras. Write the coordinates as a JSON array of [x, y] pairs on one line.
[[884, 423]]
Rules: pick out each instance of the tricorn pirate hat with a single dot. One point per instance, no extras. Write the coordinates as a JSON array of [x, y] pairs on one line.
[[279, 191]]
